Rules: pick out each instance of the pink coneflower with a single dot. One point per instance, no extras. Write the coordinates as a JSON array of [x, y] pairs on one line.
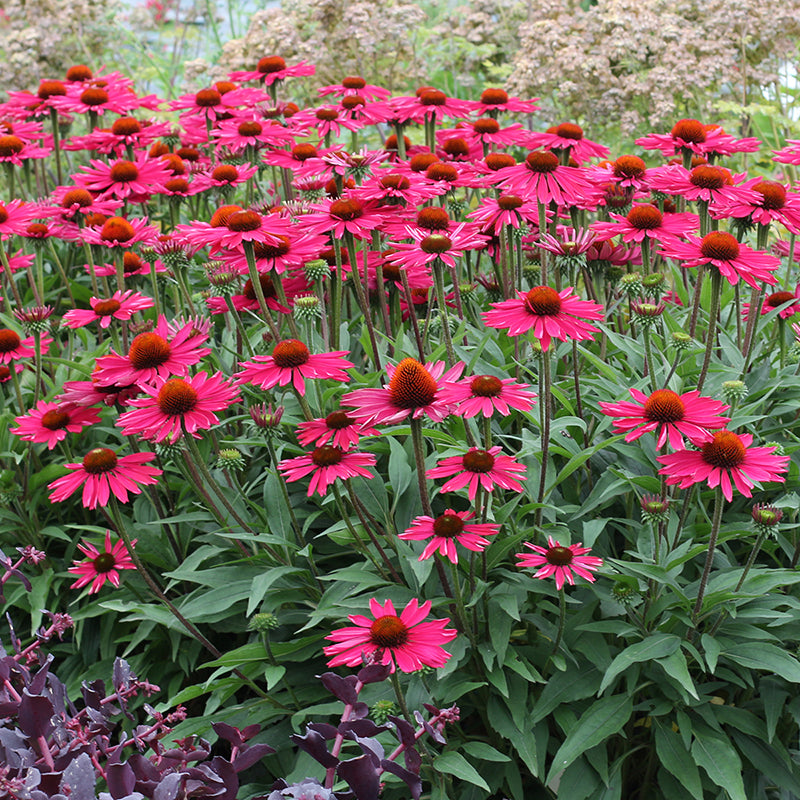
[[776, 300], [122, 179], [121, 305], [428, 246], [12, 347], [404, 641], [273, 68], [247, 300], [15, 216], [178, 405], [354, 85], [158, 353], [82, 99], [342, 215], [92, 393], [325, 464], [232, 227], [291, 362], [721, 250], [14, 150], [686, 135], [326, 121], [125, 132], [493, 101], [103, 473], [727, 456], [775, 204], [73, 203], [542, 178], [479, 468], [673, 416], [790, 154], [428, 104], [303, 159], [239, 133], [568, 137], [393, 187], [562, 561], [628, 172], [446, 530], [485, 394], [550, 313], [646, 221], [50, 422], [224, 176], [121, 232], [484, 134], [704, 182], [414, 390], [338, 428], [103, 565], [494, 213]]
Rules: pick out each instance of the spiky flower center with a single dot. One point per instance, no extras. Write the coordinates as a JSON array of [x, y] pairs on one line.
[[326, 114], [337, 420], [448, 526], [433, 97], [267, 288], [290, 353], [94, 96], [486, 125], [353, 101], [131, 262], [270, 64], [689, 130], [421, 161], [354, 82], [326, 456], [779, 298], [494, 97], [208, 98], [117, 229], [441, 172], [105, 308], [411, 386], [436, 243], [706, 176], [486, 386], [543, 301], [10, 146], [250, 128], [395, 181], [568, 130], [37, 230], [55, 419], [225, 172], [177, 185], [219, 219], [126, 126], [51, 89], [100, 460], [725, 450], [388, 632], [346, 209], [242, 221], [304, 151], [124, 172], [496, 161], [176, 397], [264, 250], [629, 167], [559, 556], [77, 197], [104, 562], [433, 219], [148, 351], [478, 461], [720, 246], [542, 161], [664, 405], [645, 217], [509, 202], [773, 194], [79, 73]]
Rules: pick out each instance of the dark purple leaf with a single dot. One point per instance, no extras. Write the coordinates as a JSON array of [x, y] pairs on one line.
[[360, 710], [9, 709], [228, 733], [170, 787], [411, 780], [250, 755], [313, 743], [93, 693], [412, 759], [362, 727], [361, 776], [250, 731], [374, 673], [79, 779], [371, 747], [341, 688], [227, 774], [434, 734], [405, 731], [120, 779], [35, 713], [328, 731], [39, 680]]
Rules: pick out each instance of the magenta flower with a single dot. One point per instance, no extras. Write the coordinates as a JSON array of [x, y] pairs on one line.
[[121, 305], [775, 204], [346, 214], [429, 246], [153, 354], [121, 232], [727, 456], [776, 300], [568, 137], [338, 428], [541, 177], [291, 362], [673, 416], [485, 394], [493, 101], [122, 179], [273, 68], [15, 216], [550, 313], [325, 464], [50, 422], [447, 529], [102, 565], [414, 390], [103, 473], [721, 250], [479, 468], [704, 182], [403, 641], [177, 405], [646, 221], [12, 347], [562, 561]]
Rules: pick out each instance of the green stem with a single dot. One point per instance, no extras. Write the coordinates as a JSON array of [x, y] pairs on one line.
[[712, 544], [711, 336]]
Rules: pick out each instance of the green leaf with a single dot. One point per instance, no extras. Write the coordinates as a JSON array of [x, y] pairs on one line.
[[600, 721], [767, 657], [782, 771], [484, 751], [660, 645], [455, 764], [676, 758], [261, 585], [722, 763], [273, 675], [774, 697], [675, 666], [712, 650], [563, 688]]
